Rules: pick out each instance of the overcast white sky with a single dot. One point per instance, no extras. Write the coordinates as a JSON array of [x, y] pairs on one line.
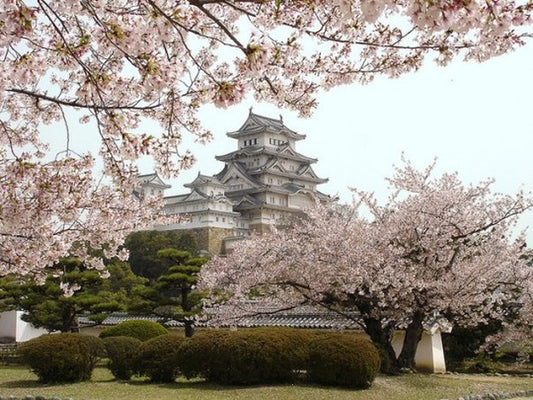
[[477, 119]]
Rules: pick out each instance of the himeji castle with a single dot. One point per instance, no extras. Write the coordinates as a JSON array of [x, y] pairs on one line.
[[264, 182]]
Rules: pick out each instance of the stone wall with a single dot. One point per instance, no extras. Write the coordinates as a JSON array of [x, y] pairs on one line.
[[211, 239]]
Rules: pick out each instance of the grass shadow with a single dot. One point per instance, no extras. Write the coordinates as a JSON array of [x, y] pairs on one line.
[[24, 383], [196, 385], [202, 385]]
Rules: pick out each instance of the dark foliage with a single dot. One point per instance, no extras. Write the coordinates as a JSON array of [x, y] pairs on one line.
[[139, 329], [245, 357], [144, 245], [386, 363], [63, 357], [121, 352], [159, 358], [463, 343], [178, 300], [197, 354], [96, 349], [342, 360], [46, 305]]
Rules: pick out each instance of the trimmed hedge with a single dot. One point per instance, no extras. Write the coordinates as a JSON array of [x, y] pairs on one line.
[[158, 358], [386, 363], [121, 352], [342, 360], [62, 357], [245, 357], [139, 329], [96, 348], [197, 353]]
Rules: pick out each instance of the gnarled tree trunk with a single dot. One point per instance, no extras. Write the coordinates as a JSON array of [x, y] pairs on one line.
[[413, 334], [381, 337]]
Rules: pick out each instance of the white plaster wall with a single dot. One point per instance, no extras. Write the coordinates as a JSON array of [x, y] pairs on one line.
[[429, 356], [226, 221], [212, 190], [26, 331], [300, 201], [8, 324], [12, 326]]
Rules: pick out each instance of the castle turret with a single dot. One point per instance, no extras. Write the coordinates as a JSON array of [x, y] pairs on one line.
[[266, 178], [264, 182]]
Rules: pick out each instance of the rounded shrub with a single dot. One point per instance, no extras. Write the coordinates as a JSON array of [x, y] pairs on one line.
[[121, 352], [62, 357], [386, 363], [197, 353], [139, 329], [96, 348], [342, 360], [158, 358], [245, 357], [293, 342]]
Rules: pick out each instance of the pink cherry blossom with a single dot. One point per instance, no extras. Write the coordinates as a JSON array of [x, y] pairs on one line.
[[120, 64], [437, 247]]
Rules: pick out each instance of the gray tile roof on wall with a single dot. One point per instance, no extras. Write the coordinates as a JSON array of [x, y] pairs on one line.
[[293, 318]]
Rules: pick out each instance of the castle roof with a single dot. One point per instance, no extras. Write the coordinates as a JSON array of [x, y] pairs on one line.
[[274, 167], [204, 180], [194, 195], [152, 179], [255, 124], [237, 169], [284, 151]]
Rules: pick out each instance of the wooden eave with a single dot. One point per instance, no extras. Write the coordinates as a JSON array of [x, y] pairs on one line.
[[256, 124], [240, 171], [152, 179], [201, 180], [289, 175]]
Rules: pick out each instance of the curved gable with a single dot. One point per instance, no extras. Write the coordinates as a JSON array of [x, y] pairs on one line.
[[234, 174]]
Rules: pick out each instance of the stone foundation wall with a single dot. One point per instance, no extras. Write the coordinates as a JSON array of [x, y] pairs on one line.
[[211, 239]]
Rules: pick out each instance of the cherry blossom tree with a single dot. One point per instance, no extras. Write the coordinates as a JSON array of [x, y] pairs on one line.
[[118, 64], [437, 247]]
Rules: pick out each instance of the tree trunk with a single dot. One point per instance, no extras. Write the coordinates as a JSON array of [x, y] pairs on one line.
[[185, 298], [75, 326], [189, 328], [381, 337], [69, 321], [413, 334]]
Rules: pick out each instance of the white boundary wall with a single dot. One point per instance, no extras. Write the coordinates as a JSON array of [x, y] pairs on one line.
[[14, 328], [429, 355]]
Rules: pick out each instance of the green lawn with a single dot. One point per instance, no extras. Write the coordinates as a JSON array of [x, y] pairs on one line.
[[18, 381]]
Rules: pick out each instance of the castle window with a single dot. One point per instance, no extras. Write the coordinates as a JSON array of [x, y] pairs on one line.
[[276, 142]]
